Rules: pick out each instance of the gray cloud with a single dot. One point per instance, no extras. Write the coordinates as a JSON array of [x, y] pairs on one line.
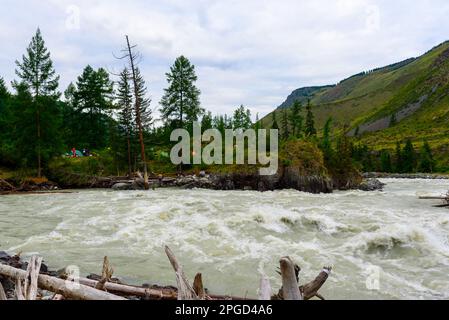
[[252, 52]]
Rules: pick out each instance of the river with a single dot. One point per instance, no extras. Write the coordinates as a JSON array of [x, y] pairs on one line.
[[382, 245]]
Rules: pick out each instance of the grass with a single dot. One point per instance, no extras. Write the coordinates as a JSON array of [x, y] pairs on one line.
[[368, 97]]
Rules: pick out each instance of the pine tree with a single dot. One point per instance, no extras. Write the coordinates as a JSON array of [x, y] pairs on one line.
[[257, 125], [275, 125], [426, 160], [93, 97], [326, 145], [285, 125], [393, 120], [125, 104], [357, 132], [4, 121], [241, 119], [310, 121], [146, 113], [408, 157], [399, 161], [181, 103], [296, 119], [206, 122], [37, 73], [385, 161]]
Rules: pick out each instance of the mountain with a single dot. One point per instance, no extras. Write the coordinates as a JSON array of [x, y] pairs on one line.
[[414, 92]]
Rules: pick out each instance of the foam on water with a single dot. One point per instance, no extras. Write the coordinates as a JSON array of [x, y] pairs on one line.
[[233, 237]]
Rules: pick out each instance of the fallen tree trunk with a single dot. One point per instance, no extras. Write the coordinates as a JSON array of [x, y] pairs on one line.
[[2, 294], [70, 290], [290, 287]]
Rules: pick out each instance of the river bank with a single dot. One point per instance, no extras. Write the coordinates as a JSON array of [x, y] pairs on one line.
[[225, 182], [426, 176]]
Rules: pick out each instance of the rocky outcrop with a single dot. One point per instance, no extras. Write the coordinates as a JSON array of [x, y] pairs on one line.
[[371, 185], [288, 179], [292, 179]]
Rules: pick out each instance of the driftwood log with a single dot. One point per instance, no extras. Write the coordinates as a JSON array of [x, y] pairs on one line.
[[265, 289], [2, 293], [59, 286], [104, 287], [290, 287], [185, 290]]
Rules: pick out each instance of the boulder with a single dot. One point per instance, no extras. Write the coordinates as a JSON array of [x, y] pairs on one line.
[[371, 185], [123, 186]]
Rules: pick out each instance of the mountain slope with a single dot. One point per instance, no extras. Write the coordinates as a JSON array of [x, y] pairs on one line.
[[415, 91]]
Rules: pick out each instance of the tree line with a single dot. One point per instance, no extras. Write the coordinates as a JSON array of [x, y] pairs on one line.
[[96, 112], [112, 113]]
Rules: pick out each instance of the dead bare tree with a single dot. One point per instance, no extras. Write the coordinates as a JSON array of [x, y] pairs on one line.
[[133, 57]]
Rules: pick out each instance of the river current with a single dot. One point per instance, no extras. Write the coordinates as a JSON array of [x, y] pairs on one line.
[[382, 245]]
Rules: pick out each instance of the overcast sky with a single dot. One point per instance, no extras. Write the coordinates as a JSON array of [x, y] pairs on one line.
[[250, 52]]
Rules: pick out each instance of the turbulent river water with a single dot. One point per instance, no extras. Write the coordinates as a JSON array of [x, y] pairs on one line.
[[382, 245]]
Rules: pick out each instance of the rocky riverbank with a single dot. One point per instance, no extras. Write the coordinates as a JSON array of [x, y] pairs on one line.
[[235, 181], [380, 175], [249, 182]]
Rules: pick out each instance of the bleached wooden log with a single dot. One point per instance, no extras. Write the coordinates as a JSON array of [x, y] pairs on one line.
[[265, 291], [19, 293], [134, 291], [106, 274], [2, 293], [185, 290], [311, 289], [33, 270], [198, 287], [69, 290], [127, 290], [290, 287]]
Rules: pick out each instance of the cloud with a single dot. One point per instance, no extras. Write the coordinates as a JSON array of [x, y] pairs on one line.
[[252, 52]]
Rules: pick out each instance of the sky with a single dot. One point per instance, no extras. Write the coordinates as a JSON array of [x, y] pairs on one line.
[[250, 52]]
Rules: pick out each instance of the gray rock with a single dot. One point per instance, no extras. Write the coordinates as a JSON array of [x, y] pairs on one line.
[[123, 186], [371, 185]]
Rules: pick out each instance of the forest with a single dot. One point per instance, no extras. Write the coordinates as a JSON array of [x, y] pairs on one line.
[[112, 117]]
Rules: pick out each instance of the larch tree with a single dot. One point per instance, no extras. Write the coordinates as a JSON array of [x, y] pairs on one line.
[[241, 118], [296, 119], [93, 97], [125, 105], [36, 71], [146, 113], [310, 121], [181, 101]]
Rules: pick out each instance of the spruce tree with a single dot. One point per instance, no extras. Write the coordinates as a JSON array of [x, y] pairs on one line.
[[37, 73], [181, 103], [206, 122], [385, 161], [125, 105], [426, 160], [409, 157], [146, 114], [357, 132], [285, 125], [4, 121], [326, 145], [275, 125], [393, 120], [296, 119], [93, 97], [241, 119], [399, 161], [310, 121]]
